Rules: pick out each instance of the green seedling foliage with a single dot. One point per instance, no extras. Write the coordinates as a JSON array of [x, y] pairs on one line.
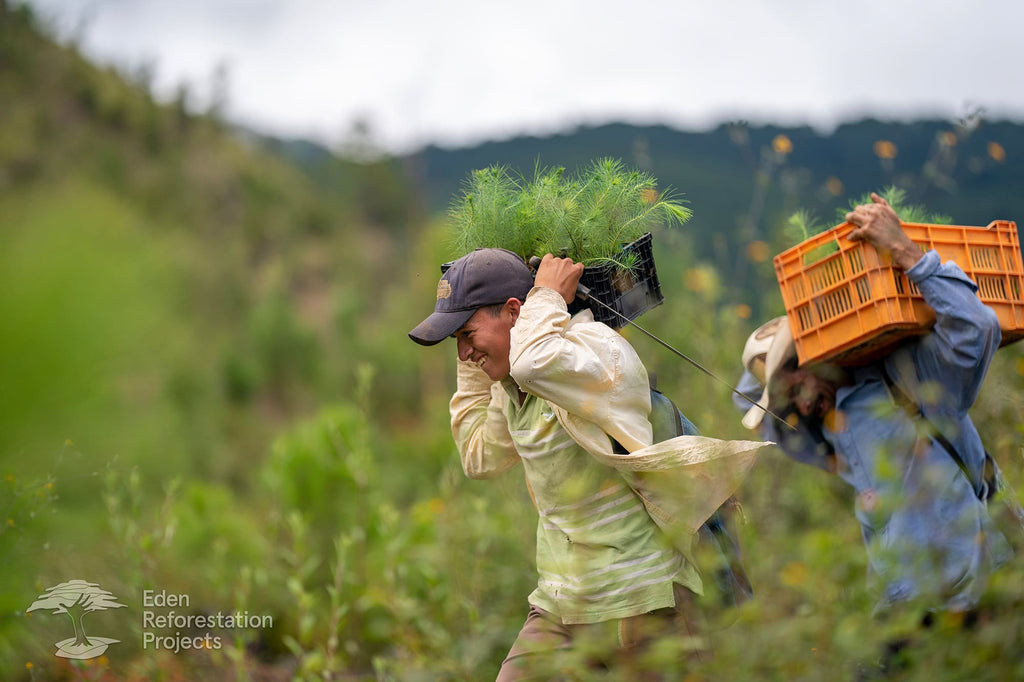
[[488, 213], [897, 198], [612, 206], [549, 207], [802, 225], [588, 216]]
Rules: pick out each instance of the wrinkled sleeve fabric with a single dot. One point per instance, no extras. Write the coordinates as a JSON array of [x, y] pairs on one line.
[[587, 369], [479, 425], [957, 353], [948, 366], [599, 387]]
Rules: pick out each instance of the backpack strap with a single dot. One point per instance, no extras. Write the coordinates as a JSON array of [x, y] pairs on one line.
[[666, 421]]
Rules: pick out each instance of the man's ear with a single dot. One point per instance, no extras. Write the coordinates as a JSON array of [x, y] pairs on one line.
[[512, 307]]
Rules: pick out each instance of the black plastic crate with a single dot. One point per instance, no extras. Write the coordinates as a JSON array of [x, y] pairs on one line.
[[629, 293]]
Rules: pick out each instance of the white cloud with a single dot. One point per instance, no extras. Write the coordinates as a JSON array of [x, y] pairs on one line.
[[458, 70]]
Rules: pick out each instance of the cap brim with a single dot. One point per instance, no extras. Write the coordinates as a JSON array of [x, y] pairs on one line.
[[439, 326]]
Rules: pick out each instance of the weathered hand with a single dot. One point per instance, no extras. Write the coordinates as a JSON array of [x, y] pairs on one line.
[[878, 225], [560, 274]]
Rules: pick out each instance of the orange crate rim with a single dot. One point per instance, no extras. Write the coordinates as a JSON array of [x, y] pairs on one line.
[[852, 304]]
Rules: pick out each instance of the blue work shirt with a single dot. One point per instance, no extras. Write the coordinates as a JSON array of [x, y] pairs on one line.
[[927, 534]]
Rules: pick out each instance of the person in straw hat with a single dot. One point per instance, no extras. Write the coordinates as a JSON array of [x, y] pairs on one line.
[[923, 517], [548, 392]]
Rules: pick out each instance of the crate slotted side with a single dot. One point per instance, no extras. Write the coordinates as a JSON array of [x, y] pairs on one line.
[[630, 293], [852, 305]]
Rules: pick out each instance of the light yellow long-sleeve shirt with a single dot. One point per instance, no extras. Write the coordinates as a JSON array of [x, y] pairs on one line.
[[598, 389]]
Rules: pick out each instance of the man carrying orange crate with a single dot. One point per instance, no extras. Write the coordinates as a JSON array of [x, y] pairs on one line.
[[897, 430]]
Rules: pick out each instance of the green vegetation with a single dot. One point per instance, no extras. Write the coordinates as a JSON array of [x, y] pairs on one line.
[[206, 388], [588, 217], [802, 225], [897, 198]]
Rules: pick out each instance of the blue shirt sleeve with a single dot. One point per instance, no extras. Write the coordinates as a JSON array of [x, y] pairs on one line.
[[958, 351]]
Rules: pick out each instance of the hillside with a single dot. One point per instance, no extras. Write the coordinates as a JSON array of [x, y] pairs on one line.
[[945, 164], [177, 299]]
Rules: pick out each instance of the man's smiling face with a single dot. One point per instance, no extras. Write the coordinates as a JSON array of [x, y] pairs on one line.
[[486, 338]]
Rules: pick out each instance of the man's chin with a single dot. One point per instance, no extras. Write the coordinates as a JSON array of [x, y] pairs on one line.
[[492, 373]]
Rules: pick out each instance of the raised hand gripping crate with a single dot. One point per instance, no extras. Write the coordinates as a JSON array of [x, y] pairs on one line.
[[852, 305]]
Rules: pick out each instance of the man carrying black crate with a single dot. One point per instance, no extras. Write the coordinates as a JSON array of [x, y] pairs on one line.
[[897, 430], [554, 393]]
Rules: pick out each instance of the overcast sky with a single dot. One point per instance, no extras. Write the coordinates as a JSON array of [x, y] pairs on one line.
[[462, 71]]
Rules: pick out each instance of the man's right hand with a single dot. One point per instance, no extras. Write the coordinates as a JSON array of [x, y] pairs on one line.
[[560, 274], [878, 225]]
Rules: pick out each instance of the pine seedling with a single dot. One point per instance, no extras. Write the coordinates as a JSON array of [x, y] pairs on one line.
[[589, 217], [800, 227], [489, 213], [897, 198], [548, 209], [613, 207]]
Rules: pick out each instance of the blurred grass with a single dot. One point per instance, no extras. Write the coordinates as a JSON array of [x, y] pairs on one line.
[[90, 327]]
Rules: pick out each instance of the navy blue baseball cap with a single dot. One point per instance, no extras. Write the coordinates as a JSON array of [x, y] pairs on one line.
[[481, 278]]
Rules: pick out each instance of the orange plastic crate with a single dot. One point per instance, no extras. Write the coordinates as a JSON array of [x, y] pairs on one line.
[[852, 305]]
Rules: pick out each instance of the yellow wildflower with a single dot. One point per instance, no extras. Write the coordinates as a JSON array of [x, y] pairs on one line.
[[996, 151], [649, 195], [782, 144], [884, 149], [758, 251], [793, 574], [834, 186]]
